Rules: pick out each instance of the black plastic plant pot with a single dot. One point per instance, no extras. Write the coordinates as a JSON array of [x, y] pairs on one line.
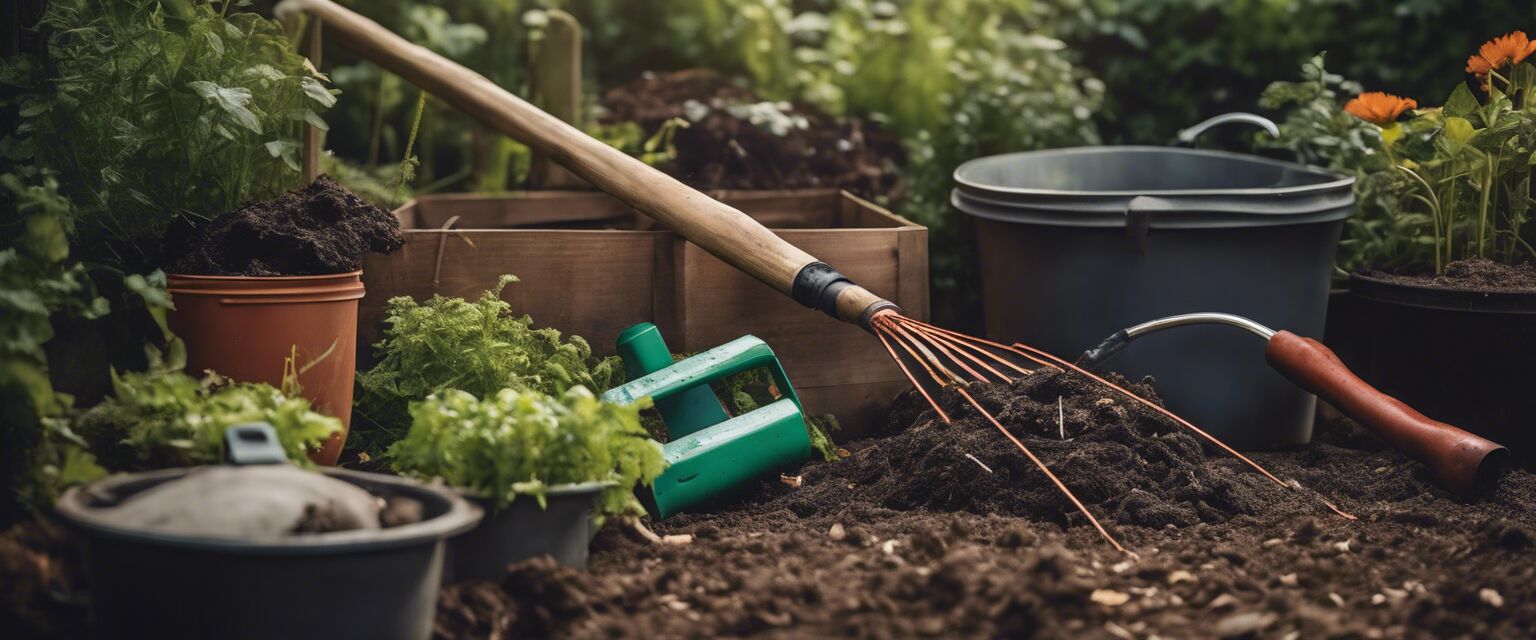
[[1076, 244], [379, 583], [1461, 357], [522, 530]]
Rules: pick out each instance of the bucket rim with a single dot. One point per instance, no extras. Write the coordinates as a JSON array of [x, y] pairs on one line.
[[1340, 181], [74, 509]]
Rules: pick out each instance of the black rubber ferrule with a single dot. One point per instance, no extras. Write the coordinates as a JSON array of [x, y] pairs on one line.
[[1093, 358], [817, 286]]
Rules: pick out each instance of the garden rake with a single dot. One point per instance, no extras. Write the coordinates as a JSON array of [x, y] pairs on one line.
[[934, 359]]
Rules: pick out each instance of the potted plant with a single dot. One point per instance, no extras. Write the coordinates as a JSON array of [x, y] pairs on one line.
[[158, 121], [539, 465], [1449, 305]]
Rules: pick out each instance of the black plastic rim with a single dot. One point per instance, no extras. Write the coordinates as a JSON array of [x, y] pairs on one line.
[[77, 508], [1467, 300]]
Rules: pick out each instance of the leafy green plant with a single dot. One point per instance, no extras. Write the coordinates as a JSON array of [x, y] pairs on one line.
[[164, 418], [520, 443], [1455, 181], [1318, 130], [153, 114], [475, 346], [39, 455], [1472, 168]]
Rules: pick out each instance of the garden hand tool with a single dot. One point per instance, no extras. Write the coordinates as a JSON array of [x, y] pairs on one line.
[[709, 452], [1463, 462], [945, 360]]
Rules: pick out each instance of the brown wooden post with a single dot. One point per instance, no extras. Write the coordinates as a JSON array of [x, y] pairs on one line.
[[556, 70], [312, 149]]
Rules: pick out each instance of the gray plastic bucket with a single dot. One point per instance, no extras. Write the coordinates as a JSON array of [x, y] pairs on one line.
[[380, 583], [1076, 244]]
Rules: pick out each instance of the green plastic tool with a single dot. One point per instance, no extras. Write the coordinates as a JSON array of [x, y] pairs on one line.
[[710, 452]]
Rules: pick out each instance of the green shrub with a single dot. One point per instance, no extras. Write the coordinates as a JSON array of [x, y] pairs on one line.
[[521, 443], [478, 347], [162, 418], [154, 113]]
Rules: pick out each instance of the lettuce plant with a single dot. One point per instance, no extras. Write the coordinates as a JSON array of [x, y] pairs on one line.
[[520, 443]]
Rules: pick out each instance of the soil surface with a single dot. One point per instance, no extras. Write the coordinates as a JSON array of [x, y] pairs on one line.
[[945, 530], [789, 145], [318, 229], [1473, 274]]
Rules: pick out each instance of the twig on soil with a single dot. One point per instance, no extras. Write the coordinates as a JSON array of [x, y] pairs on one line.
[[650, 536], [979, 463], [1061, 418]]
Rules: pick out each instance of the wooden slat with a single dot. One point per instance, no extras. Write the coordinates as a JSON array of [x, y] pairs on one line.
[[594, 283], [725, 303], [588, 283]]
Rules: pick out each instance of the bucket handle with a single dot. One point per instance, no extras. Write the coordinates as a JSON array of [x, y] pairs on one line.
[[1138, 218]]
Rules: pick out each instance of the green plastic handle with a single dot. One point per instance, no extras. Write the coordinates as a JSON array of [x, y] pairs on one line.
[[742, 354]]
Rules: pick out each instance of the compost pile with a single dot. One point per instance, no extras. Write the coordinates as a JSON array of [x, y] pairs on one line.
[[317, 229], [1472, 274], [737, 140], [911, 536]]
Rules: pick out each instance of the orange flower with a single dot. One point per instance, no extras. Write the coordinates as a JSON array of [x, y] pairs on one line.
[[1511, 48], [1379, 108]]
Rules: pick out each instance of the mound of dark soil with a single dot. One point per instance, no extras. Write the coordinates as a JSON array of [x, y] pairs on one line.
[[724, 149], [1129, 464], [319, 229], [910, 537], [1473, 274]]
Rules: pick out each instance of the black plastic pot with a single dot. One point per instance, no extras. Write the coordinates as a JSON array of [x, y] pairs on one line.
[[378, 583], [1461, 357], [1076, 244], [522, 530]]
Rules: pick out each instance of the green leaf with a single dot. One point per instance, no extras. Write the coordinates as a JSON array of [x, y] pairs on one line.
[[1462, 103], [231, 101], [317, 91], [1459, 131]]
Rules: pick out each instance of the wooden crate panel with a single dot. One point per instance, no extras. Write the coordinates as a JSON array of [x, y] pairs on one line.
[[589, 283], [591, 266]]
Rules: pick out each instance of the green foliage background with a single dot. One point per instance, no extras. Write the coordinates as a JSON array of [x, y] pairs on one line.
[[957, 79]]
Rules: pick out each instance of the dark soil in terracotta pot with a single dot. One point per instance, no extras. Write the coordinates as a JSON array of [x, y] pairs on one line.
[[947, 531], [317, 229], [724, 149]]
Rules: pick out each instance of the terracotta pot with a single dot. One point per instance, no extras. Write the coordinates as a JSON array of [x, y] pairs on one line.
[[244, 327]]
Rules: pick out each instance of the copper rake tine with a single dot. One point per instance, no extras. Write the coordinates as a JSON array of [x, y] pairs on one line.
[[911, 337], [942, 354]]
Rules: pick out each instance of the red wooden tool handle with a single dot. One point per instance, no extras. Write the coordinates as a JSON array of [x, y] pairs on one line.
[[1461, 460]]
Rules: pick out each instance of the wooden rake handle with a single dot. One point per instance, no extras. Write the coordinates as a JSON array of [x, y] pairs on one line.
[[725, 232]]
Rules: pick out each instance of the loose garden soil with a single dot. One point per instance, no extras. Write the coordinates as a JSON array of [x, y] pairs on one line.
[[1473, 274], [945, 530], [722, 150], [318, 229]]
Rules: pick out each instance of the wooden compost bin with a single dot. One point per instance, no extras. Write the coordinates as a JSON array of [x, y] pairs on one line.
[[592, 266]]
